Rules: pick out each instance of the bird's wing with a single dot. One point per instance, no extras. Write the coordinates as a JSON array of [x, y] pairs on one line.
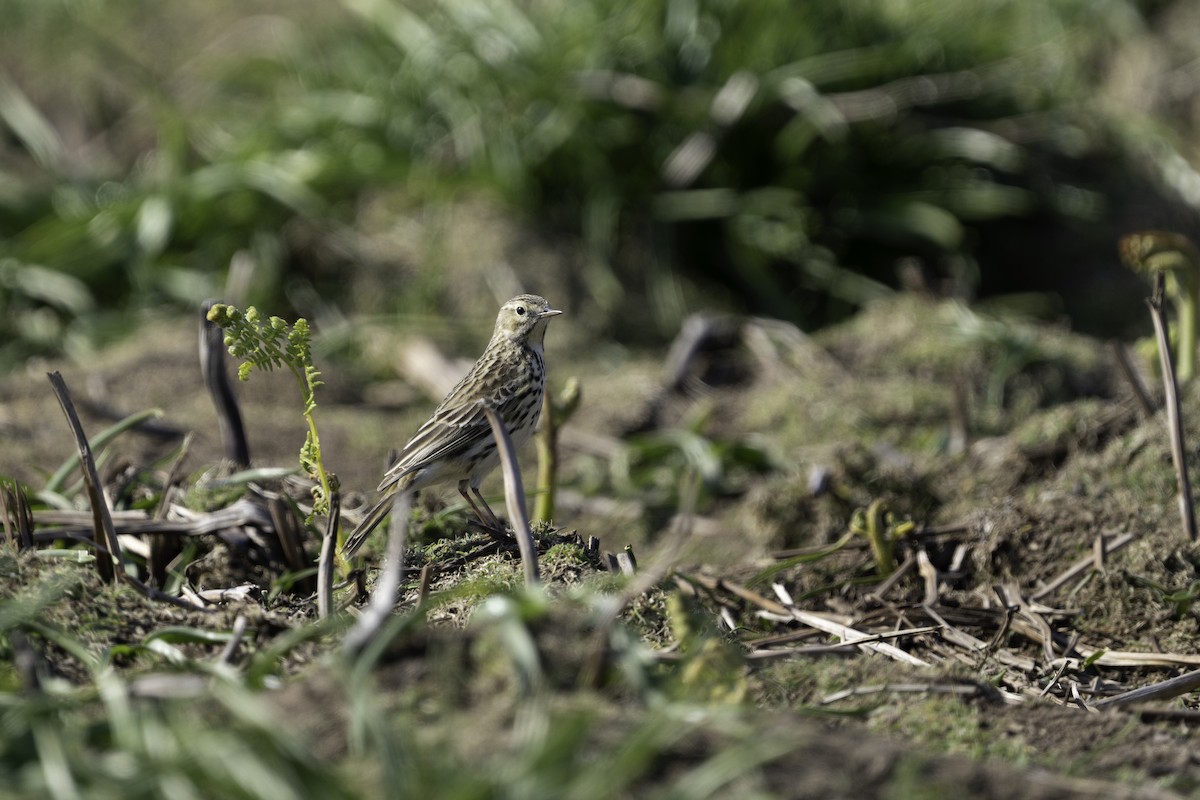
[[457, 425]]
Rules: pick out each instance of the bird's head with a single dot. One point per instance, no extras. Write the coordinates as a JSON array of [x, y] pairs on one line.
[[524, 318]]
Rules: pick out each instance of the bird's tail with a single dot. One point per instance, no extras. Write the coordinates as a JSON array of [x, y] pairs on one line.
[[368, 524]]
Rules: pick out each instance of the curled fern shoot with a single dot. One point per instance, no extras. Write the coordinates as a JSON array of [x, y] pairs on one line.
[[269, 345]]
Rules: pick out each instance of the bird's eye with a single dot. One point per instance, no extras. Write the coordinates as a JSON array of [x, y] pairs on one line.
[[520, 311]]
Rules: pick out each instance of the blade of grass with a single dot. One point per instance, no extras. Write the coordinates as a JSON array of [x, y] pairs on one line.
[[110, 564], [1187, 511], [383, 599], [328, 558], [56, 481], [514, 496], [216, 380]]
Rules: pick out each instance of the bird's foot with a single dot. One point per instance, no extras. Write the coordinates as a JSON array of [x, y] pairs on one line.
[[497, 530]]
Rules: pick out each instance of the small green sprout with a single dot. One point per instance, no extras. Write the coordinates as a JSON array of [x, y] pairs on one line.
[[882, 530], [1150, 252], [555, 413], [269, 345]]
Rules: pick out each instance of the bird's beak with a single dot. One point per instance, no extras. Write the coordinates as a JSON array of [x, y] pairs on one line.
[[549, 312]]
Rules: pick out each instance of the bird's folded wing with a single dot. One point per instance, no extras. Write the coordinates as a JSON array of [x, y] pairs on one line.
[[454, 428]]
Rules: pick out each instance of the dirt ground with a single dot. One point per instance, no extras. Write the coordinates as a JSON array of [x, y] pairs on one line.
[[1015, 449]]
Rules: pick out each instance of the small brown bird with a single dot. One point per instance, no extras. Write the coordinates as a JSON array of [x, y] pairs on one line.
[[456, 444]]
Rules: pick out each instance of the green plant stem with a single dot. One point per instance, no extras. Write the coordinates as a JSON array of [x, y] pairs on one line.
[[875, 529], [547, 474], [555, 412], [322, 474], [314, 437], [1188, 300]]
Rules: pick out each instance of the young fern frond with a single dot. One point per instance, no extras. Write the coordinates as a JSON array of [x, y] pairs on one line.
[[270, 345]]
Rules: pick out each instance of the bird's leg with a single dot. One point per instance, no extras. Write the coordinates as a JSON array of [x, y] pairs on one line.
[[495, 520], [485, 514]]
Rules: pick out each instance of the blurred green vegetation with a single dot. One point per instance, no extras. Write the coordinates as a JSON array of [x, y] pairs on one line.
[[182, 720], [769, 156]]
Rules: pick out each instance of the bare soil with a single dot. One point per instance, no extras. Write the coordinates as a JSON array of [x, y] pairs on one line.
[[1013, 448]]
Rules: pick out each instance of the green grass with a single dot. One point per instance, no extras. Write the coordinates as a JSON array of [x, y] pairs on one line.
[[689, 149], [765, 156]]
